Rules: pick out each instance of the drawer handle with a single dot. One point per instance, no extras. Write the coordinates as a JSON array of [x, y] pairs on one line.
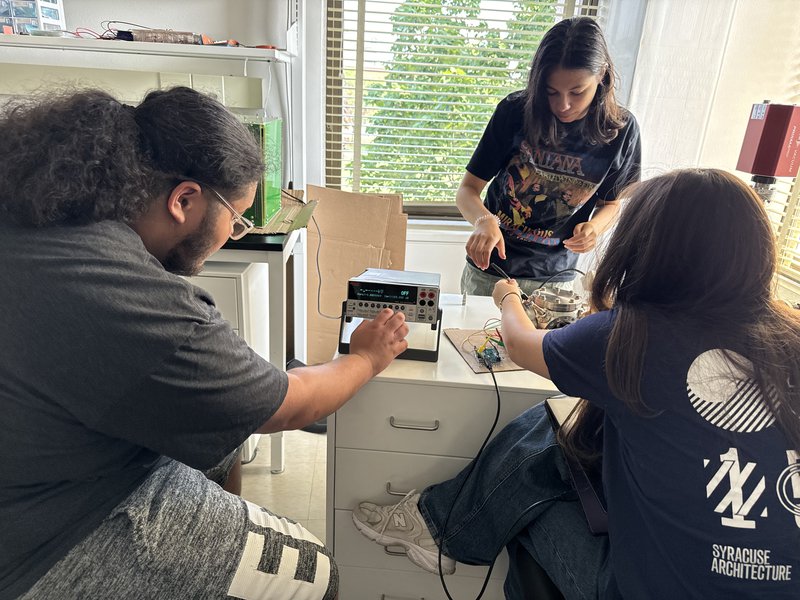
[[394, 552], [385, 597], [397, 425], [391, 492]]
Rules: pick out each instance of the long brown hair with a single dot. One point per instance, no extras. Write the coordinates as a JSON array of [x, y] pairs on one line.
[[695, 244], [576, 43]]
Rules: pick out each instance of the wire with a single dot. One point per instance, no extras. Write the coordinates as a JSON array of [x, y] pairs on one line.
[[461, 487], [556, 274], [513, 526], [289, 117], [505, 537], [319, 275], [110, 32]]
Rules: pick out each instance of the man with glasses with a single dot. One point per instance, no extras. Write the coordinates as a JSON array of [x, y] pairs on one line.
[[120, 381]]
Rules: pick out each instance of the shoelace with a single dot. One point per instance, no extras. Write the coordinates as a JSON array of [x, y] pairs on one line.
[[391, 512]]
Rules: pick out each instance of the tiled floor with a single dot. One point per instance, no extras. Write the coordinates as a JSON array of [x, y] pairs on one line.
[[298, 492]]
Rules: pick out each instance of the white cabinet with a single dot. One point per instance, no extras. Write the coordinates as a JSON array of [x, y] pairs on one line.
[[414, 425], [240, 291]]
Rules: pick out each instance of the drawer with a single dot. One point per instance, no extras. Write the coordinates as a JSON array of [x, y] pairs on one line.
[[378, 584], [352, 549], [225, 291], [426, 419], [365, 475]]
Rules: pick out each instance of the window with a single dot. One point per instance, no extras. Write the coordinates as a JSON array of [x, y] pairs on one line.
[[411, 85], [784, 210]]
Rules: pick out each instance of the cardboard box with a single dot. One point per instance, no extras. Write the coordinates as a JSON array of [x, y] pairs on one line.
[[352, 232]]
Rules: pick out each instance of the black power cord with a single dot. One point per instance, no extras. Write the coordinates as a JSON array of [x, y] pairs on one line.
[[488, 364]]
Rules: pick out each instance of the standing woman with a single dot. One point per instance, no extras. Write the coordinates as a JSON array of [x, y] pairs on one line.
[[564, 136]]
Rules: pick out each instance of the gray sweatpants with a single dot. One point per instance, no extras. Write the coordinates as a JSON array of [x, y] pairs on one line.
[[181, 536], [475, 282]]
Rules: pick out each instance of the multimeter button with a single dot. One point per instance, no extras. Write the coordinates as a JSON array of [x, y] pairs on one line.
[[372, 306], [430, 302], [402, 307], [430, 318]]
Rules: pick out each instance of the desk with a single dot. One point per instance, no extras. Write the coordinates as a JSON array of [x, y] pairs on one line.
[[415, 424], [285, 255]]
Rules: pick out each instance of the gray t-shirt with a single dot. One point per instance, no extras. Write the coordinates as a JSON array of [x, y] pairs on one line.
[[108, 364]]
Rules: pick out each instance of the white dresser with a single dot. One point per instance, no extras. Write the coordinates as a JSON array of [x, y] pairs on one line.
[[415, 424], [240, 291]]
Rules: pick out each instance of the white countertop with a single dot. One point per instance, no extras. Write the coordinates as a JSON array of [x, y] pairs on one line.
[[451, 368]]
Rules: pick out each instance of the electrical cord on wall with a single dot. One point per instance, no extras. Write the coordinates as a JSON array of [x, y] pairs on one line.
[[319, 275]]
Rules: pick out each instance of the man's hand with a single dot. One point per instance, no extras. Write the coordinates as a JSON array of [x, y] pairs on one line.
[[483, 240], [584, 238], [381, 339]]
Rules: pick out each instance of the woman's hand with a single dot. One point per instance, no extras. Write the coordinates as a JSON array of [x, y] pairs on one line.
[[381, 339], [584, 238], [503, 288], [484, 239]]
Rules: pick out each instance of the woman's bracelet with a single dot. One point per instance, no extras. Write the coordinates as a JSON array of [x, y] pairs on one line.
[[485, 217], [506, 295]]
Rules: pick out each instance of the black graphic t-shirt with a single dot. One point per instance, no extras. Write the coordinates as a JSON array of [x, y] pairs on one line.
[[540, 194], [703, 488]]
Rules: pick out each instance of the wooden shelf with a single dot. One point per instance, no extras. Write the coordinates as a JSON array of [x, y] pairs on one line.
[[138, 56]]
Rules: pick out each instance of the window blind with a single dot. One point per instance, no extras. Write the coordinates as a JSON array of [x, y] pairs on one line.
[[784, 211], [411, 85]]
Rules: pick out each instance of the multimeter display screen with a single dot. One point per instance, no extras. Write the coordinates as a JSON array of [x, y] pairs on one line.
[[379, 292]]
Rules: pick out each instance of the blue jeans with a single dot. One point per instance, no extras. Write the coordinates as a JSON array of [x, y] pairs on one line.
[[519, 493]]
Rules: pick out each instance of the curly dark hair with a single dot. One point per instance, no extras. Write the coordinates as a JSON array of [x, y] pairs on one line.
[[85, 157]]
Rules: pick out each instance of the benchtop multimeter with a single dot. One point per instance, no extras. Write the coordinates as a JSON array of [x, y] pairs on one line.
[[414, 294]]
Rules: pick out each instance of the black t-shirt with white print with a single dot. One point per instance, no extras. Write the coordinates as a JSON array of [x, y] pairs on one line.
[[541, 194], [703, 488]]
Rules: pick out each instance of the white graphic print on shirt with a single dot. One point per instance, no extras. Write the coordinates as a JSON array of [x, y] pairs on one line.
[[725, 397]]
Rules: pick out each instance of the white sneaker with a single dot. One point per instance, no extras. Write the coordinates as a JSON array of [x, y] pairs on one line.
[[402, 524]]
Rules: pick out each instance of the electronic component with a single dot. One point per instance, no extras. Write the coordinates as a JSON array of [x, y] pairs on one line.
[[489, 356], [413, 293], [551, 308], [771, 145]]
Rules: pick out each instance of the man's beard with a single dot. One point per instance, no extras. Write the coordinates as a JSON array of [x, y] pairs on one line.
[[188, 256]]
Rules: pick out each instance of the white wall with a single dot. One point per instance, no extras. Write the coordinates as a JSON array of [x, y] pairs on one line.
[[438, 247], [701, 65]]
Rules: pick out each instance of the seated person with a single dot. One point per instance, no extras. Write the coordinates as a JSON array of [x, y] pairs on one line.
[[693, 368], [120, 381]]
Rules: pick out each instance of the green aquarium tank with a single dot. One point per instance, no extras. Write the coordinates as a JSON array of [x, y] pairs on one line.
[[268, 194]]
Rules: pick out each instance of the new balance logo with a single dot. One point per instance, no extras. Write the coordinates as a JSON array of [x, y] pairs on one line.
[[399, 520], [734, 500]]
